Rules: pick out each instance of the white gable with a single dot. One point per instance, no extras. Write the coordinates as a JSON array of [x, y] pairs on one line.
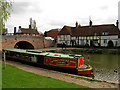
[[19, 31]]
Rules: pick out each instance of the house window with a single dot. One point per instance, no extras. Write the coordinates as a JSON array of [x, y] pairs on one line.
[[104, 33], [64, 37], [82, 42], [95, 41], [105, 40], [95, 34], [61, 37]]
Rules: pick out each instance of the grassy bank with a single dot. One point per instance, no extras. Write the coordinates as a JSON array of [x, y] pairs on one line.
[[0, 76], [13, 77]]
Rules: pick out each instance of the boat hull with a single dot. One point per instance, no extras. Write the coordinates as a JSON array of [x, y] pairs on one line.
[[85, 69]]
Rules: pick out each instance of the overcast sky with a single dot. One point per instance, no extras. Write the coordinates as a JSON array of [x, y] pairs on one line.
[[51, 14]]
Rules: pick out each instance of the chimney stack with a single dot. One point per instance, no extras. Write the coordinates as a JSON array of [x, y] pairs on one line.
[[19, 27], [117, 24], [76, 24], [30, 27], [79, 25], [14, 30], [90, 23]]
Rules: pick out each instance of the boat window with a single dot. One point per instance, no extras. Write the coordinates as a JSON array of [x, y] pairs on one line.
[[66, 62], [46, 60], [72, 55]]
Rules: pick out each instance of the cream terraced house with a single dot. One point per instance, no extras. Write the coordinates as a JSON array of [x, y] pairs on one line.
[[99, 35]]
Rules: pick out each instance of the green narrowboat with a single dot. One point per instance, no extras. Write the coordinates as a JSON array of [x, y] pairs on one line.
[[56, 60]]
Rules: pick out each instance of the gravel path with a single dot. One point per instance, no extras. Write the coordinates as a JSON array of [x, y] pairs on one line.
[[61, 76]]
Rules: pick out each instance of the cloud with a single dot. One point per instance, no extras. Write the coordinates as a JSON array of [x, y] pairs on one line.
[[50, 14], [20, 7], [112, 19], [56, 22], [103, 7], [26, 7]]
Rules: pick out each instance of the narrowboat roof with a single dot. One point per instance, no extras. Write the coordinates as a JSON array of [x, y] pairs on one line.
[[49, 54]]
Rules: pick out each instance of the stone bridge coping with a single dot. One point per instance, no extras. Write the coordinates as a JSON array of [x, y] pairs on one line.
[[21, 36]]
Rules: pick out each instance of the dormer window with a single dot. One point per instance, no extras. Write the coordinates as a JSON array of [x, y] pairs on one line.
[[104, 33], [95, 34], [19, 31]]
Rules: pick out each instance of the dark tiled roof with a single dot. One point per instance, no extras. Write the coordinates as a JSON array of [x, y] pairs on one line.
[[29, 31], [66, 30], [119, 34], [54, 30], [89, 31]]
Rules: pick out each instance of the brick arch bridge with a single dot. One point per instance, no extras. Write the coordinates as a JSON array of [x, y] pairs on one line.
[[25, 41]]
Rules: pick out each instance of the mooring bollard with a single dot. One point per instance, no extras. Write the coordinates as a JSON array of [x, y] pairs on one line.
[[93, 77]]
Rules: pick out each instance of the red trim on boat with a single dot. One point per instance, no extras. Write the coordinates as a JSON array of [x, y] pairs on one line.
[[84, 72]]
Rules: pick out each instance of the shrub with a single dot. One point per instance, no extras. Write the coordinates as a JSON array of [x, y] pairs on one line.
[[86, 45]]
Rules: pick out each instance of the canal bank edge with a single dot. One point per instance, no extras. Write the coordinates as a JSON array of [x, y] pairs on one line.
[[89, 50], [89, 79]]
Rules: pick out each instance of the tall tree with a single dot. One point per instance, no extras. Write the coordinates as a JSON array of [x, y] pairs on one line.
[[33, 23], [5, 10]]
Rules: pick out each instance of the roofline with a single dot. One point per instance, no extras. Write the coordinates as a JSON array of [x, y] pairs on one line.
[[100, 25]]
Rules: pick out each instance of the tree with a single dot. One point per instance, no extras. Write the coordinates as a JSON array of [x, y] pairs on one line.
[[5, 9], [45, 33], [33, 23]]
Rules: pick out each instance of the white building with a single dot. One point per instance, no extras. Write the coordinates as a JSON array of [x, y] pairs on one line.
[[97, 35], [119, 20], [119, 13]]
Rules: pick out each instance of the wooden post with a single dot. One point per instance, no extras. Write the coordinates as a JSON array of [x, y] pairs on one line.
[[4, 61]]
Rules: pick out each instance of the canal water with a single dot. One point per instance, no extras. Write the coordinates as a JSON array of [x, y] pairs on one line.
[[105, 66]]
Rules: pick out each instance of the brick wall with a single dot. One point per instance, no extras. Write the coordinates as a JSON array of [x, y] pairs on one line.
[[37, 42], [49, 43]]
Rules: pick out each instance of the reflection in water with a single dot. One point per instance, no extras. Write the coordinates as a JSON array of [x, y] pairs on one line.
[[105, 66]]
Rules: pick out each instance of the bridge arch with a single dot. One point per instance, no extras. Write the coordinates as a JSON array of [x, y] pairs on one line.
[[24, 45]]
